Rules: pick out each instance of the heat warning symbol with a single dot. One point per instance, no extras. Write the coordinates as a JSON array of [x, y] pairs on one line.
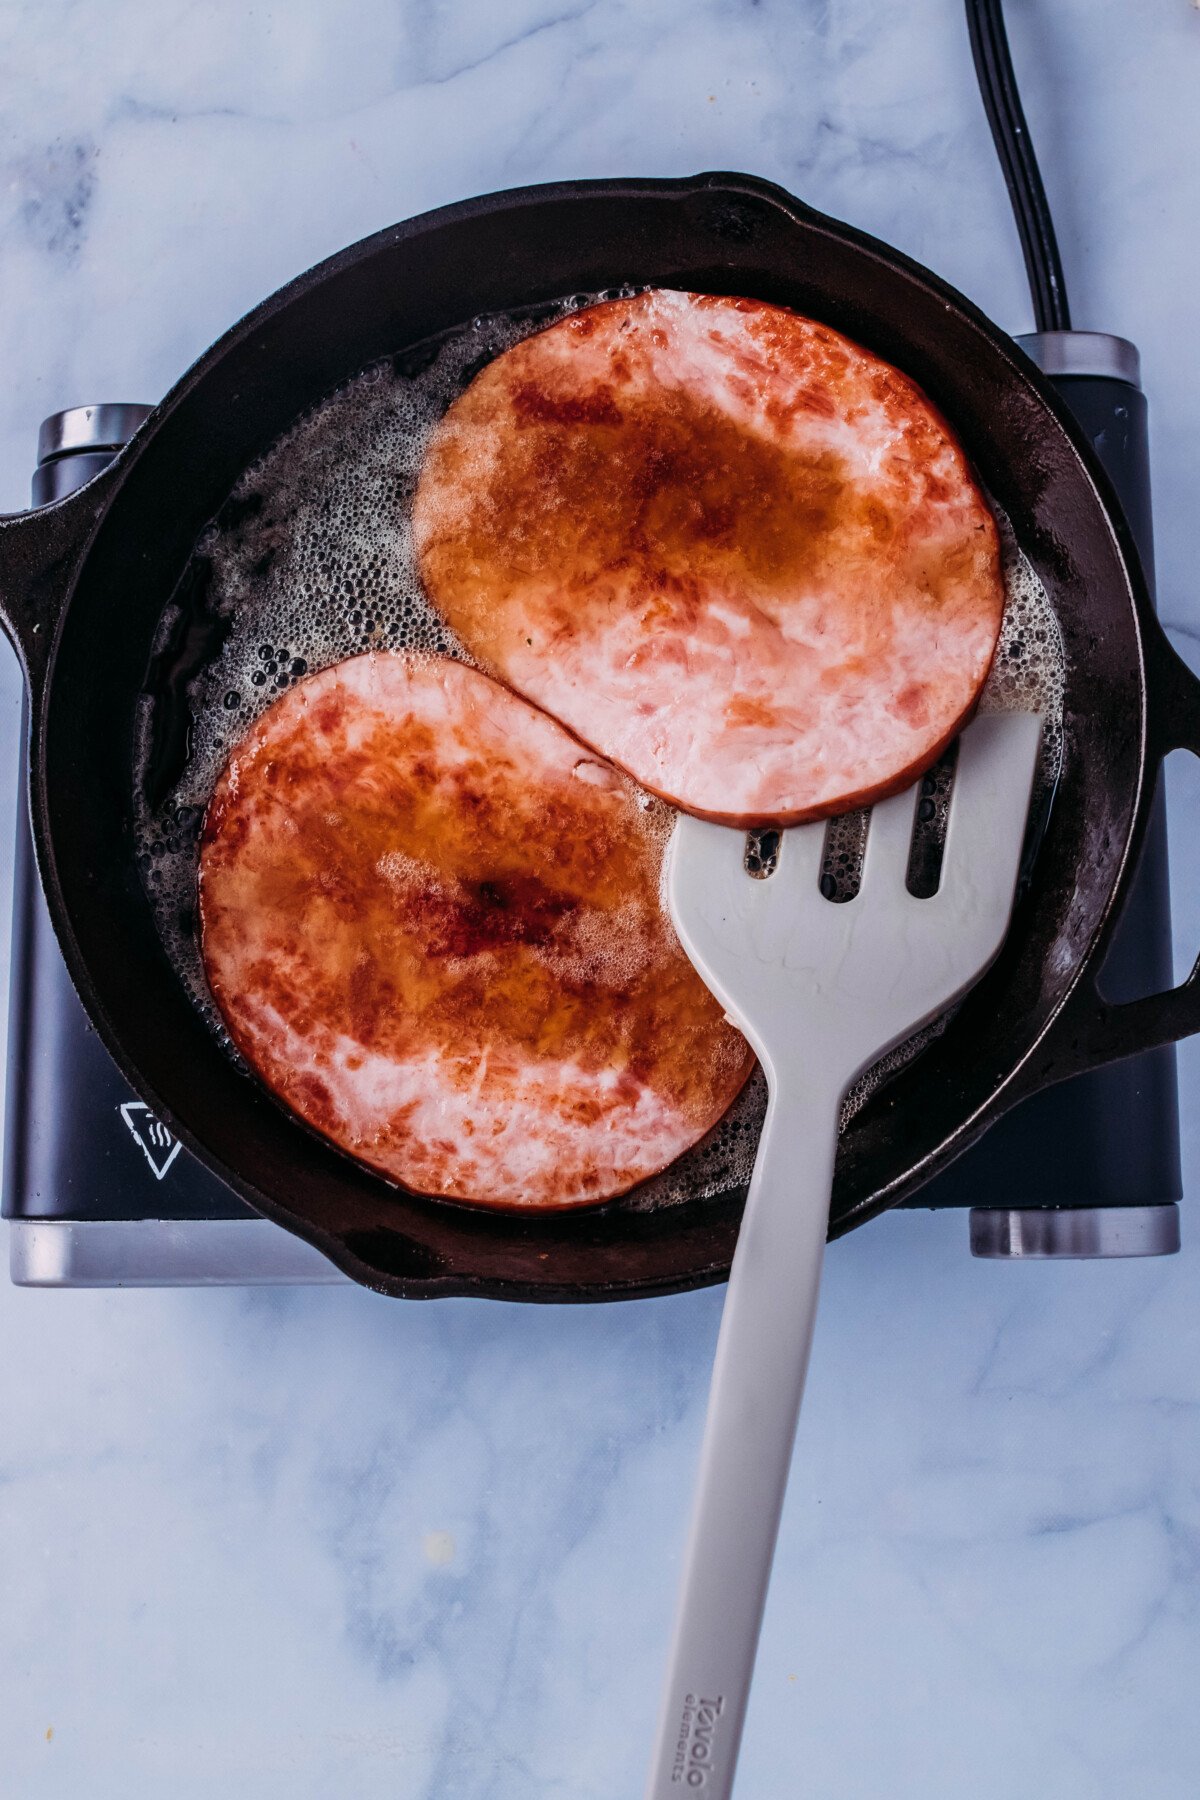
[[151, 1136]]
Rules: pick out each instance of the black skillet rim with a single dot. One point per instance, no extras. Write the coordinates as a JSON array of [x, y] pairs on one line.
[[711, 1249]]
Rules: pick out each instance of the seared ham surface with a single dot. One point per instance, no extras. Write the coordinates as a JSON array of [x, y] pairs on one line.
[[734, 552], [431, 921]]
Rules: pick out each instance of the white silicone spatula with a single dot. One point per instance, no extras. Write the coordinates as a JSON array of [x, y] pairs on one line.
[[820, 990]]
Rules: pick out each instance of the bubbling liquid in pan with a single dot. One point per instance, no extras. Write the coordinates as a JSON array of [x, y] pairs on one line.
[[311, 561]]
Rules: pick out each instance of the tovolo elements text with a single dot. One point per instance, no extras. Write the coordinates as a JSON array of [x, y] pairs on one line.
[[694, 1750]]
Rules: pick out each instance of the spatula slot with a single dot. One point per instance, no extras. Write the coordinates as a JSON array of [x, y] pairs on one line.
[[762, 853], [929, 827], [842, 857]]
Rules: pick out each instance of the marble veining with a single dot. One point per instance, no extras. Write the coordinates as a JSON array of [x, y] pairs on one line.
[[315, 1544]]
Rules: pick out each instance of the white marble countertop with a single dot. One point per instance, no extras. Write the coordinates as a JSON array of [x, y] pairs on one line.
[[316, 1544]]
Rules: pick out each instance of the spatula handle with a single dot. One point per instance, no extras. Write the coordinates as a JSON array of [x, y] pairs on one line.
[[754, 1403]]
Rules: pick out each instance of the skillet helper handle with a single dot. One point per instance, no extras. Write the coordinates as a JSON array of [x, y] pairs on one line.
[[767, 1324], [1113, 1031], [40, 552], [1091, 1031]]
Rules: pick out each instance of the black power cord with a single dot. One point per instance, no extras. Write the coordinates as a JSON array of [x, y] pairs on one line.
[[1002, 103]]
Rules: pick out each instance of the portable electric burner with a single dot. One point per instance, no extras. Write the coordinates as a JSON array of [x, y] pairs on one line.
[[99, 1193]]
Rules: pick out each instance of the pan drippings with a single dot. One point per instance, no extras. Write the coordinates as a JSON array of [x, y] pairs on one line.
[[310, 562]]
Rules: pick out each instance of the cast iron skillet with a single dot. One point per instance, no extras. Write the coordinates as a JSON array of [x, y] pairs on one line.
[[82, 585]]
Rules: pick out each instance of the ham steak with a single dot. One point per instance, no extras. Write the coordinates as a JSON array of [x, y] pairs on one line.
[[734, 552], [431, 921]]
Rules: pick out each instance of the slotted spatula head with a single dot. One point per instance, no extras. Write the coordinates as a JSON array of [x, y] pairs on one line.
[[845, 981]]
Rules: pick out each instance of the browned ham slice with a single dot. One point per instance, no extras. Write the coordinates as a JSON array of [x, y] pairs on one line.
[[734, 552], [431, 921]]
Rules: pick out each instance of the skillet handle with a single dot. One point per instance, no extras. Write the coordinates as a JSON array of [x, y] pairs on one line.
[[40, 553], [1092, 1031]]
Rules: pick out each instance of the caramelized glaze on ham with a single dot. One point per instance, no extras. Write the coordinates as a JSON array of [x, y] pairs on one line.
[[733, 551], [431, 921]]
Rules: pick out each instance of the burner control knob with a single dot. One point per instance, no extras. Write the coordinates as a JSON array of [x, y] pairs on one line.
[[76, 444]]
